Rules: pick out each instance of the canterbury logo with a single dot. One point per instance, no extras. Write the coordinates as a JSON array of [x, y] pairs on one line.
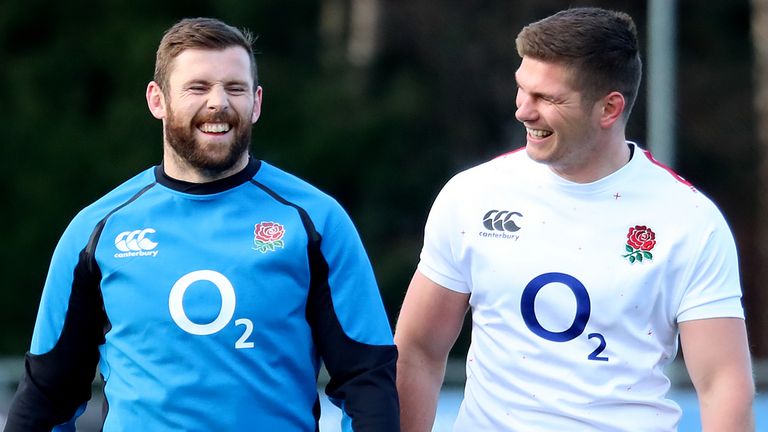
[[135, 243], [501, 220]]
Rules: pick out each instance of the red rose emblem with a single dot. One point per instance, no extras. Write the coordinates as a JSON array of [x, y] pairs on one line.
[[267, 236], [268, 231], [640, 241], [641, 237]]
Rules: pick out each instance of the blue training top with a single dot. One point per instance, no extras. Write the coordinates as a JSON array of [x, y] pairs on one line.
[[209, 307]]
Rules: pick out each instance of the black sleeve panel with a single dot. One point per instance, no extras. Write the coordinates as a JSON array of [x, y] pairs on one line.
[[363, 376], [56, 383]]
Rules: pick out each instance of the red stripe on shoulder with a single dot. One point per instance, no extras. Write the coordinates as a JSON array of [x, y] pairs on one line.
[[677, 176]]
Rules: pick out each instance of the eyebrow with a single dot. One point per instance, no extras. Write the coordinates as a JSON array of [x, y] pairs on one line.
[[539, 95]]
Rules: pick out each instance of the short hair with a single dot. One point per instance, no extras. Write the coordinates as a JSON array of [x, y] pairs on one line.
[[599, 48], [200, 33]]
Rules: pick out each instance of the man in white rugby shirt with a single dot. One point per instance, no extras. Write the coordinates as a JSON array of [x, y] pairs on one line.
[[581, 259]]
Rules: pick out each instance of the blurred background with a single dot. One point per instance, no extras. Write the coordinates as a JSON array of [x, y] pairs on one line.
[[377, 102]]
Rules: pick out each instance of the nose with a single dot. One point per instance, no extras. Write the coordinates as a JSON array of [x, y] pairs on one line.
[[218, 99], [526, 111]]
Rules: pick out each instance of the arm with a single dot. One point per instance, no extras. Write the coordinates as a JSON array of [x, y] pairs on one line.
[[429, 323], [61, 364], [351, 330], [718, 361]]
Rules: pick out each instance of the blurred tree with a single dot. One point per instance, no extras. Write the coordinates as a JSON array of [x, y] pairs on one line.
[[71, 79], [717, 142]]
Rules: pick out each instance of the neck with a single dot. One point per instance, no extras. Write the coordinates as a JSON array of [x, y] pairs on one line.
[[601, 161], [179, 169]]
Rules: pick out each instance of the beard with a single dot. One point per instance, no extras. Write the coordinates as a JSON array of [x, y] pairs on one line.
[[210, 159]]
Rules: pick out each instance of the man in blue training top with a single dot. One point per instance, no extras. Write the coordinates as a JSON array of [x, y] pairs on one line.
[[209, 289]]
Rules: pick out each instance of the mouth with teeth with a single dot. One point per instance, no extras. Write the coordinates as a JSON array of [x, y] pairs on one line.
[[538, 133], [215, 128]]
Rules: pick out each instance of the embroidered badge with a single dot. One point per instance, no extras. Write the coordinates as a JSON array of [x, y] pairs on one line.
[[267, 236], [640, 241]]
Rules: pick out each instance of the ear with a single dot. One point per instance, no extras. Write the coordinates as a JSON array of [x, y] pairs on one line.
[[612, 107], [156, 100], [257, 97]]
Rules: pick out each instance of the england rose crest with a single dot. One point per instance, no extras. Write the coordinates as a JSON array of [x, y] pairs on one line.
[[640, 241], [267, 236]]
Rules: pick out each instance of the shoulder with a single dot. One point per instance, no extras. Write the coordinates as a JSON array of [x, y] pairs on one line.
[[672, 187], [685, 207], [294, 191], [290, 186], [122, 194], [83, 225], [114, 199]]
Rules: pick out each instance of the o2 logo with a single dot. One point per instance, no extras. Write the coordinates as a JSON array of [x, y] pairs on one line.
[[583, 309], [227, 292]]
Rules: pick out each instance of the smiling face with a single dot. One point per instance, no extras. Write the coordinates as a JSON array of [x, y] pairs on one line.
[[207, 112], [562, 129]]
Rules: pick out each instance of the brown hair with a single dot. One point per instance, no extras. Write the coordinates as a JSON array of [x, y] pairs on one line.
[[598, 46], [200, 33]]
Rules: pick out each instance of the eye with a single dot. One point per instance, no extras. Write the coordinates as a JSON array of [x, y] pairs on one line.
[[237, 90], [198, 88]]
